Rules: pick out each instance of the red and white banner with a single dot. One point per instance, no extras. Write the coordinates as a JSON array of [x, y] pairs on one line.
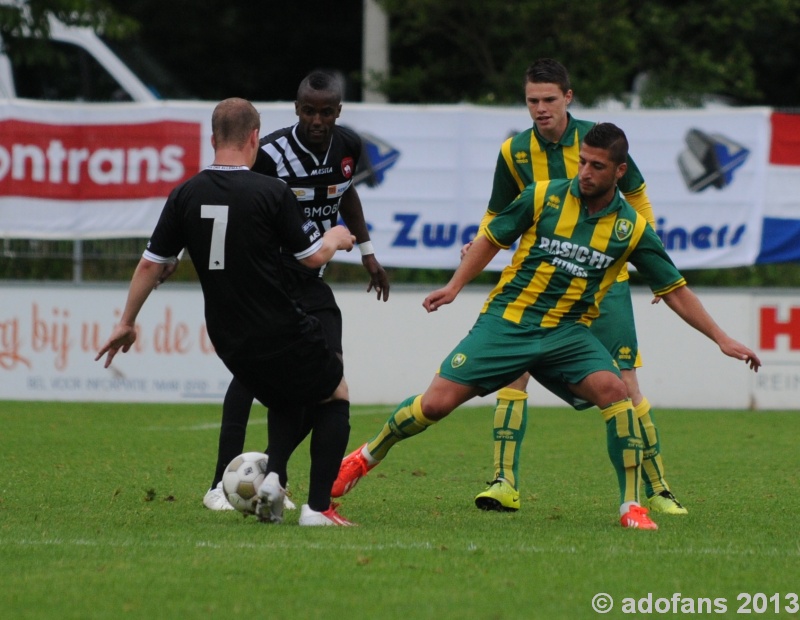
[[87, 171]]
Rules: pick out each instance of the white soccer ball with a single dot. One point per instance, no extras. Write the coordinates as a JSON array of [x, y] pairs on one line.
[[242, 478]]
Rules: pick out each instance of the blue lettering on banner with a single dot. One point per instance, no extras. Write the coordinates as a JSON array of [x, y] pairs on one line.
[[36, 383], [701, 238], [116, 385], [65, 383], [164, 385], [434, 235]]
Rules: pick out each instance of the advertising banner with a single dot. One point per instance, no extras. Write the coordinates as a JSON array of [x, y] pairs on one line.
[[92, 171], [49, 336]]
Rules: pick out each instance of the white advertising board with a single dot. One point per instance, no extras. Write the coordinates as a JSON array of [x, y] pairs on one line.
[[49, 337]]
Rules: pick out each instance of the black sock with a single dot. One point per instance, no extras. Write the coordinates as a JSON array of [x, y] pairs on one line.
[[235, 415], [331, 431]]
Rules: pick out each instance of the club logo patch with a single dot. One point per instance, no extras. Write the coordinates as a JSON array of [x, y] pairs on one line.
[[623, 229], [348, 167], [459, 359]]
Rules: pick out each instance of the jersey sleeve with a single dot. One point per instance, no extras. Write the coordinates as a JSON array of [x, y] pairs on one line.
[[654, 264], [506, 227], [167, 239], [640, 201], [632, 181], [505, 187], [354, 144], [264, 163]]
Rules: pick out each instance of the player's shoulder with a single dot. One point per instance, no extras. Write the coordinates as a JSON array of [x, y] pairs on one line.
[[250, 179], [522, 138], [347, 133], [275, 135], [582, 123], [627, 210], [580, 126], [349, 137]]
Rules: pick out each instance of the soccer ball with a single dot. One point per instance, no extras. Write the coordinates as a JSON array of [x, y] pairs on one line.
[[242, 478]]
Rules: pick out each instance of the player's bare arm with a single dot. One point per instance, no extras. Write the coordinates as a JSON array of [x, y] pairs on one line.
[[353, 215], [473, 263], [144, 280], [688, 306]]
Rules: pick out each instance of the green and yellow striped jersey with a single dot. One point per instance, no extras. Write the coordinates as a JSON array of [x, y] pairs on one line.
[[528, 157], [566, 259]]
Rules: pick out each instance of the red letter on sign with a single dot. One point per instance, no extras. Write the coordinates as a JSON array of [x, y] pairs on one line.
[[771, 328]]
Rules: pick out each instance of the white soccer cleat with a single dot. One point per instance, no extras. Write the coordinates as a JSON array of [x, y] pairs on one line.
[[215, 499], [271, 498], [288, 504], [328, 517]]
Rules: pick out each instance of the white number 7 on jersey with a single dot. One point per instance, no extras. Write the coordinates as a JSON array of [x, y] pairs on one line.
[[218, 213]]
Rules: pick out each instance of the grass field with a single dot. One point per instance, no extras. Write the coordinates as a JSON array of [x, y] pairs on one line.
[[101, 517]]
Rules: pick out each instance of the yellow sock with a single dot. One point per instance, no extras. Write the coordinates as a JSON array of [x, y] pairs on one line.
[[652, 465], [624, 447], [406, 421], [510, 420]]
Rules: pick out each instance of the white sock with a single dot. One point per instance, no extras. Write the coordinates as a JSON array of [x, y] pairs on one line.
[[626, 507], [365, 453]]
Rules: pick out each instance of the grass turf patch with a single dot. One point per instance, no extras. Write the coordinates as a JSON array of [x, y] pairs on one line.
[[101, 516]]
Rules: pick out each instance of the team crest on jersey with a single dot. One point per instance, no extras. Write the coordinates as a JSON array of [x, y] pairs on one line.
[[623, 229], [459, 359], [553, 201], [521, 157], [348, 167]]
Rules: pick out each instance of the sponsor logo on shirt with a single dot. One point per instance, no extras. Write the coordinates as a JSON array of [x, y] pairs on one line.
[[520, 157], [96, 162], [334, 191], [318, 171], [303, 193], [312, 230], [553, 201], [575, 252]]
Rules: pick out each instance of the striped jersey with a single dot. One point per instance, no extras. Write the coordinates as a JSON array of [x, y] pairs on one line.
[[566, 259], [528, 157], [318, 180]]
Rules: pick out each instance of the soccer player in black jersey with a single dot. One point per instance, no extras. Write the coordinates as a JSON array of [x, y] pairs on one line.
[[317, 159], [236, 224]]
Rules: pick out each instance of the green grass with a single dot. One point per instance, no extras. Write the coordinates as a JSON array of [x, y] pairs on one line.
[[101, 517]]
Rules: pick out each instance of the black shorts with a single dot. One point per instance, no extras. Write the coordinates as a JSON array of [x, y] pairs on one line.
[[306, 372], [316, 298]]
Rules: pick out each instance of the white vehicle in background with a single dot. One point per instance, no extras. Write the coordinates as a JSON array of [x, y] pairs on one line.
[[77, 65]]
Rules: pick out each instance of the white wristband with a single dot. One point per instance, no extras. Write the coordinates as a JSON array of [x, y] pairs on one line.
[[366, 248]]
